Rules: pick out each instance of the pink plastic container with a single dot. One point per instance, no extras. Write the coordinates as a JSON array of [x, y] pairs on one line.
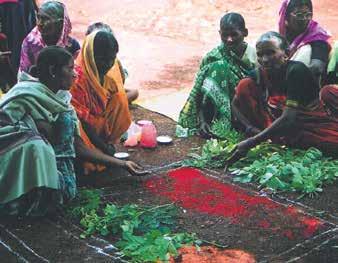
[[148, 136]]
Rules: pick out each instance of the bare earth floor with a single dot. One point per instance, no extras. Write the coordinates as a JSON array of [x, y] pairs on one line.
[[161, 44], [276, 228]]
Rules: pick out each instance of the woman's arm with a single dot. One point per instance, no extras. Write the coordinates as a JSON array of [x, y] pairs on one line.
[[46, 129], [97, 140], [249, 129], [206, 114], [279, 127], [94, 155]]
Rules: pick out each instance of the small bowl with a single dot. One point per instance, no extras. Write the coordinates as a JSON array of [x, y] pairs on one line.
[[143, 122], [164, 139], [121, 155]]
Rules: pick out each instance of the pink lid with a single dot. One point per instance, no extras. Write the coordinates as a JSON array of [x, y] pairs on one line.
[[144, 122]]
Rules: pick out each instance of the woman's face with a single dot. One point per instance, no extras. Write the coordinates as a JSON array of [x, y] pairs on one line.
[[298, 19], [269, 54], [67, 75], [49, 28], [104, 61], [232, 36]]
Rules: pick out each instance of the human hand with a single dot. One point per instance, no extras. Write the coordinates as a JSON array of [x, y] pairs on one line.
[[205, 131], [251, 131], [134, 168], [240, 151]]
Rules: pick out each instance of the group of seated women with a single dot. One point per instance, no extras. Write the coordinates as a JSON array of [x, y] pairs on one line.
[[63, 112], [285, 96]]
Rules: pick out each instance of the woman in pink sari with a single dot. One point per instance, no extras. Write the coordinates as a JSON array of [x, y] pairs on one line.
[[53, 28], [308, 40]]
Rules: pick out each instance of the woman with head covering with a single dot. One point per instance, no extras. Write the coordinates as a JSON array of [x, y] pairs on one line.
[[308, 40], [281, 102], [98, 97], [17, 19], [120, 74], [220, 71], [53, 28], [39, 138]]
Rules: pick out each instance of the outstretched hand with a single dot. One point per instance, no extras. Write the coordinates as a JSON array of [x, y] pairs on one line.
[[135, 169], [239, 152]]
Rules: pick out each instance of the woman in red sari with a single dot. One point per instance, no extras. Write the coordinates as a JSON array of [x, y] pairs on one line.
[[280, 101]]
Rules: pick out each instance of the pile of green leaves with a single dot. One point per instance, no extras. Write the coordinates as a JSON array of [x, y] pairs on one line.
[[272, 166], [215, 151], [144, 233], [289, 170]]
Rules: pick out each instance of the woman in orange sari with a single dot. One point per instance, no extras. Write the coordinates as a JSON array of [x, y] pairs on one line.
[[119, 73], [99, 98]]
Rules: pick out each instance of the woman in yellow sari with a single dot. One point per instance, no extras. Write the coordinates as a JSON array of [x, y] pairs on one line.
[[119, 73], [99, 98]]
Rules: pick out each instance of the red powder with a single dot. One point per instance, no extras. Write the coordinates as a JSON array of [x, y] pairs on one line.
[[289, 234], [264, 224], [312, 224], [192, 190]]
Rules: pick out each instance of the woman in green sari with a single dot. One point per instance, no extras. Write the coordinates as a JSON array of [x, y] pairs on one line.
[[220, 71], [40, 139]]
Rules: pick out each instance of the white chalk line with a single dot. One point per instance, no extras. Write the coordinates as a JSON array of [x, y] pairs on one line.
[[98, 250], [108, 246], [311, 250], [24, 244], [21, 258], [301, 244]]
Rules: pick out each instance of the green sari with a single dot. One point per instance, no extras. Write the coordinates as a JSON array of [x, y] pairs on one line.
[[29, 176], [218, 76]]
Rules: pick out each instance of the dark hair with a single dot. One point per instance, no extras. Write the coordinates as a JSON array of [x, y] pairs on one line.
[[50, 56], [53, 9], [283, 43], [99, 26], [297, 3], [104, 41], [234, 19]]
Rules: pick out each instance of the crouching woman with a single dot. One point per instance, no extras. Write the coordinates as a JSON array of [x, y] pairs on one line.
[[39, 138]]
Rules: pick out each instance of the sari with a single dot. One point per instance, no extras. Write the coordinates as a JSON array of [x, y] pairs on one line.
[[300, 47], [261, 104], [220, 71], [34, 42], [104, 107], [31, 181]]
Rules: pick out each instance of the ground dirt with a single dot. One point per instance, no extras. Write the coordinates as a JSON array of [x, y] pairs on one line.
[[162, 43], [279, 228]]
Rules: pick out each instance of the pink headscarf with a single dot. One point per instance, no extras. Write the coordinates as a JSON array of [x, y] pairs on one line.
[[34, 42], [314, 31]]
